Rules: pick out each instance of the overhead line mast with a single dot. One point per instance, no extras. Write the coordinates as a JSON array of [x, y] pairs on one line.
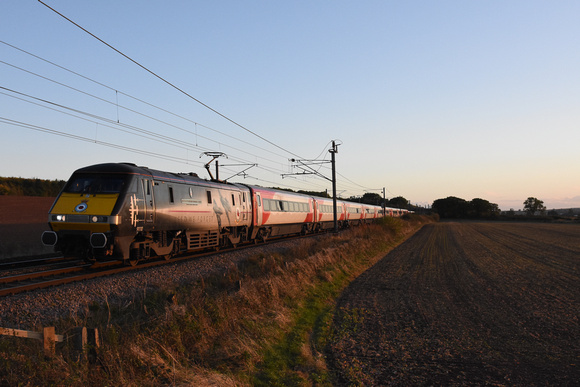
[[333, 151], [305, 165]]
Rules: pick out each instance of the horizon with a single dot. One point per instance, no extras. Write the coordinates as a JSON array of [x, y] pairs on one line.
[[339, 197]]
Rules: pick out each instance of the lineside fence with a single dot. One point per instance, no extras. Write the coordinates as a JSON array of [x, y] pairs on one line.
[[85, 342]]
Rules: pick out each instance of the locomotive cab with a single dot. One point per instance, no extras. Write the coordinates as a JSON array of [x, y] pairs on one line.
[[84, 216]]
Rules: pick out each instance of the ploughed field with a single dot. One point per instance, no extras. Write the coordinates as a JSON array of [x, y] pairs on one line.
[[466, 303]]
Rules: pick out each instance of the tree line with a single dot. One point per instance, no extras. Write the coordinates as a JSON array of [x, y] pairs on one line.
[[17, 186], [454, 207]]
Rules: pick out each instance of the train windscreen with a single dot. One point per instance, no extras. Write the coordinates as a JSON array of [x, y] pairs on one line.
[[95, 184]]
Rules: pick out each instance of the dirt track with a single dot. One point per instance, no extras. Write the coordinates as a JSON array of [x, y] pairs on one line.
[[466, 303]]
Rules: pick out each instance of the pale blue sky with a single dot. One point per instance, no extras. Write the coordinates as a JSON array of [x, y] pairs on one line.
[[428, 98]]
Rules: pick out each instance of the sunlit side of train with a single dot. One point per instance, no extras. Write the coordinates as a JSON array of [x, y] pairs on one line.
[[132, 213]]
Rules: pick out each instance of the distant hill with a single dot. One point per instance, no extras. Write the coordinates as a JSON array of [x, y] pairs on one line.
[[17, 186]]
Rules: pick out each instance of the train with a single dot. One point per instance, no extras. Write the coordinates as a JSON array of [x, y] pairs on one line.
[[130, 213]]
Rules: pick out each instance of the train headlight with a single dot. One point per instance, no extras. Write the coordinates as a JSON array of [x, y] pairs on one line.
[[59, 218], [99, 219]]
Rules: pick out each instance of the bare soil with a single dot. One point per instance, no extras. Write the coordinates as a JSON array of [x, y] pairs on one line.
[[466, 304]]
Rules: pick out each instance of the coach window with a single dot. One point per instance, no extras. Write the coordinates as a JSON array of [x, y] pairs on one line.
[[233, 200], [208, 197], [171, 200]]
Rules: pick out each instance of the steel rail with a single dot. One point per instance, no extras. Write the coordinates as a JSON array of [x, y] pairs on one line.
[[40, 274], [15, 264]]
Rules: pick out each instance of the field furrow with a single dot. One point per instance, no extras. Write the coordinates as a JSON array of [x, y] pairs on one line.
[[466, 303]]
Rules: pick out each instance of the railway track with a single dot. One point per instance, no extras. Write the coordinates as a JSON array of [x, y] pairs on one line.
[[36, 274], [33, 262], [18, 283]]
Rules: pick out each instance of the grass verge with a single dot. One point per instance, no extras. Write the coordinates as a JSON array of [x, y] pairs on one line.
[[264, 321]]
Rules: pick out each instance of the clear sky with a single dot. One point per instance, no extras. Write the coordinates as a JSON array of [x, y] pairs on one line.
[[474, 99]]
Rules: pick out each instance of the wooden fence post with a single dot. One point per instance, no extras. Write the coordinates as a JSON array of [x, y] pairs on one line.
[[85, 343], [49, 338], [79, 340], [94, 343]]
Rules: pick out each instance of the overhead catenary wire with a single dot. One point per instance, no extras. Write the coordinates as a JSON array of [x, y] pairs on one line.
[[161, 109], [127, 149], [92, 140], [106, 122], [117, 92], [148, 104], [116, 125], [117, 146], [127, 109], [168, 83]]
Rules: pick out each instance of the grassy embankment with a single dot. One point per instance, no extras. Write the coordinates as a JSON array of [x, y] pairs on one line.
[[265, 321]]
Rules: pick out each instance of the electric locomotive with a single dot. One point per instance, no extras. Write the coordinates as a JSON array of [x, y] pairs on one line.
[[131, 213]]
